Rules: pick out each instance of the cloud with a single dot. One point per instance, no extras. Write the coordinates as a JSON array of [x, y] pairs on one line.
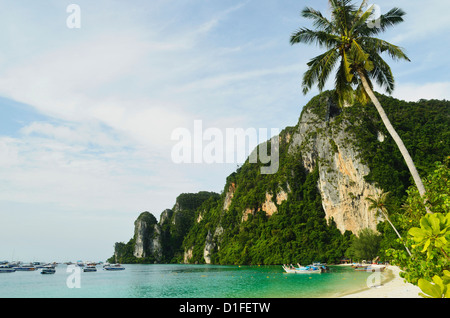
[[421, 20], [415, 92]]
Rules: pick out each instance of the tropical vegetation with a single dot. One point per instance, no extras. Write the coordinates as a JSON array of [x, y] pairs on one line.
[[428, 235]]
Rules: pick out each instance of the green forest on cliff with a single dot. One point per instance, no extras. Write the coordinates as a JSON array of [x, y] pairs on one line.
[[298, 231]]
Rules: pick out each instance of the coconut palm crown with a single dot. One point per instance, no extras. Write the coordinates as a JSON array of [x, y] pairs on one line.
[[354, 51], [351, 46]]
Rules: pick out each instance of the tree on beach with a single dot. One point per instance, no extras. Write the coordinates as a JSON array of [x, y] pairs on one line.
[[379, 204], [352, 48], [364, 246]]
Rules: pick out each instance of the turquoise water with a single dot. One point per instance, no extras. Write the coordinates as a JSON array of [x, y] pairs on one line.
[[182, 281]]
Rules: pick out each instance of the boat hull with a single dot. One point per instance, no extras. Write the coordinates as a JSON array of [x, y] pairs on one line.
[[114, 268], [24, 269], [7, 270]]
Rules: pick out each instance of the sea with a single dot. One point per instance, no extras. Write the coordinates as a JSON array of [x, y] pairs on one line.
[[186, 281]]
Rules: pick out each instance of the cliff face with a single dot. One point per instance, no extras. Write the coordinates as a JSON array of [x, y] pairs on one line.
[[147, 237], [160, 242], [326, 144], [321, 144]]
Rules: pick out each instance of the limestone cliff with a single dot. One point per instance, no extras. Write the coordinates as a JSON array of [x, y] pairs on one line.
[[160, 242], [147, 237], [344, 191]]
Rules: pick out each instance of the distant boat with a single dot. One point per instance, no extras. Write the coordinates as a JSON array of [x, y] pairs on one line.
[[25, 268], [48, 270], [90, 268], [369, 267], [310, 269], [360, 267], [6, 269], [113, 267]]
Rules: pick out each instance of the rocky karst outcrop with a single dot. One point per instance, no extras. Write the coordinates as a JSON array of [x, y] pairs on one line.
[[147, 237], [160, 242], [344, 191]]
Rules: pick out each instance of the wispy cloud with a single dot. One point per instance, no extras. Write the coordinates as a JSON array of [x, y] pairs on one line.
[[415, 92]]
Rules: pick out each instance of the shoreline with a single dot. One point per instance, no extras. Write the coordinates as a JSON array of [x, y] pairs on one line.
[[392, 287]]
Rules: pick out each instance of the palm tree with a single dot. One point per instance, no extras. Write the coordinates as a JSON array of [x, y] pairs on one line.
[[351, 47], [379, 204]]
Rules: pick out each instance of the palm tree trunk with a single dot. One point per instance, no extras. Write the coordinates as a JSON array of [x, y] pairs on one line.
[[398, 234], [395, 136]]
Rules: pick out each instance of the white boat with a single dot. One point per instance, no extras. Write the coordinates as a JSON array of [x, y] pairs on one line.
[[113, 267], [303, 269]]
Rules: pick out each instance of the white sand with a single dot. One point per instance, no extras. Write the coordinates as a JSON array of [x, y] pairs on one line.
[[394, 288]]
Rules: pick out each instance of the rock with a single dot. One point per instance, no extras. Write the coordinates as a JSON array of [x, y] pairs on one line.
[[146, 233], [342, 185]]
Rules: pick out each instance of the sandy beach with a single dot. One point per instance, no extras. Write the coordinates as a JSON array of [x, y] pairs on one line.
[[394, 287]]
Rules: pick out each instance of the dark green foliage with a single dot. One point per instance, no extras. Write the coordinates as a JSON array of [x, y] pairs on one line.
[[423, 127], [182, 221], [365, 246]]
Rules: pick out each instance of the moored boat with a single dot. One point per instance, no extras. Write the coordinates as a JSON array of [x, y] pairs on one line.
[[24, 268], [360, 267], [369, 267], [113, 267], [90, 268], [48, 270], [6, 269], [303, 269]]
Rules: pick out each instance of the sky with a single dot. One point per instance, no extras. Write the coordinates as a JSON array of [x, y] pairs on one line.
[[87, 114]]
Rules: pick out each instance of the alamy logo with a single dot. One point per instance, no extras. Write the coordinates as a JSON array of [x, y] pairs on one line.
[[74, 279], [214, 146], [74, 19], [375, 17]]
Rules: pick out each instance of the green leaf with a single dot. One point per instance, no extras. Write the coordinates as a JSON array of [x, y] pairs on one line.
[[435, 224], [425, 247], [434, 291], [447, 292], [446, 274], [347, 70], [425, 224], [438, 281], [417, 233]]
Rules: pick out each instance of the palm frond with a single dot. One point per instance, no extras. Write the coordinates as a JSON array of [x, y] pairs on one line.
[[347, 66], [320, 21], [382, 74], [393, 17], [361, 19], [360, 56], [344, 89], [321, 38], [380, 46], [319, 70], [385, 21]]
